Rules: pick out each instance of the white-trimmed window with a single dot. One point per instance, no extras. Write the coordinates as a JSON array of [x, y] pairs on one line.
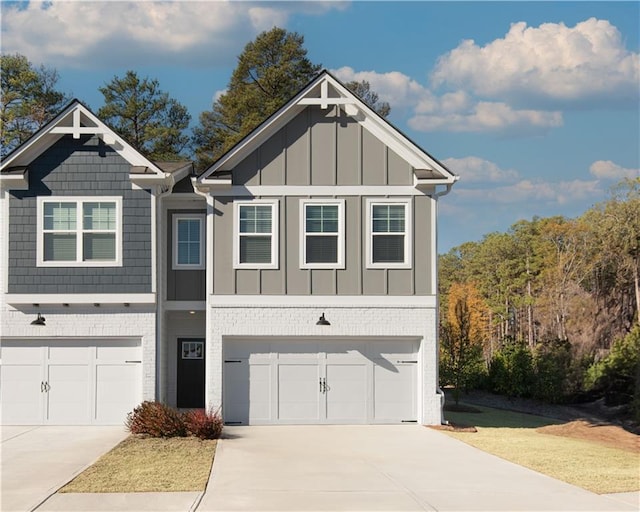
[[79, 231], [188, 241], [322, 233], [256, 234], [389, 233]]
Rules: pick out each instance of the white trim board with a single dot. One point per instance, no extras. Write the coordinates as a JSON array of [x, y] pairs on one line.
[[81, 298], [322, 301]]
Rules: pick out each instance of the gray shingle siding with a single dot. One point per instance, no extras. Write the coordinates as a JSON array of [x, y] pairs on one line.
[[80, 167]]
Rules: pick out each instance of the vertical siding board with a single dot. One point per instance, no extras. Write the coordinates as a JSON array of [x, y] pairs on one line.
[[399, 170], [247, 282], [322, 138], [347, 149], [400, 282], [322, 281], [271, 160], [373, 163], [224, 283], [297, 133], [297, 279], [247, 171], [348, 279], [422, 245]]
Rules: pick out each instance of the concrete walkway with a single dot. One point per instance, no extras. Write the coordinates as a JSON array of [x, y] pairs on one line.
[[37, 461], [390, 468]]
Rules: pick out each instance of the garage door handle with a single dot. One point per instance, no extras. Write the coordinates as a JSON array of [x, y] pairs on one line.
[[406, 361], [44, 387], [133, 361], [41, 387]]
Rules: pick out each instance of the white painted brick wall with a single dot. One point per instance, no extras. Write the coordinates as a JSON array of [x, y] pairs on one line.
[[257, 320], [78, 321]]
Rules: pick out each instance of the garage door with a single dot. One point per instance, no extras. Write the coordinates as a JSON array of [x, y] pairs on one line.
[[312, 382], [72, 382]]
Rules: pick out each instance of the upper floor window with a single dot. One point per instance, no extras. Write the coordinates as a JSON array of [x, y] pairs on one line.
[[389, 229], [188, 241], [256, 234], [322, 223], [79, 231]]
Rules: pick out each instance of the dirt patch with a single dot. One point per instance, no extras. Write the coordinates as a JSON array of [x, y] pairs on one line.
[[452, 427], [608, 435]]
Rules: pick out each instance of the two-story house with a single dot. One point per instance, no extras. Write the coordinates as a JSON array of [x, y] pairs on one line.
[[294, 281]]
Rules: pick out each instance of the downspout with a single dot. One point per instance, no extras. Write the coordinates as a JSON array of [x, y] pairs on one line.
[[439, 390]]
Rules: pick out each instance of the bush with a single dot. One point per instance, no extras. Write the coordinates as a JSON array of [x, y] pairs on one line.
[[511, 370], [203, 424], [552, 363], [157, 420]]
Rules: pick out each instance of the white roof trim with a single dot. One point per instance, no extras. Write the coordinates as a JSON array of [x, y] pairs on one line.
[[69, 121], [354, 107]]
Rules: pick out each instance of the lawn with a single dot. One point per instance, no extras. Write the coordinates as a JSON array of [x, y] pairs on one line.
[[601, 461], [149, 464]]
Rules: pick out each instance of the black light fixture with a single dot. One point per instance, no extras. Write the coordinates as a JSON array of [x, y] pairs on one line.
[[322, 320], [39, 321]]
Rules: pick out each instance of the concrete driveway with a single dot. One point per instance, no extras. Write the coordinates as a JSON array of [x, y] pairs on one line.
[[36, 461], [392, 468]]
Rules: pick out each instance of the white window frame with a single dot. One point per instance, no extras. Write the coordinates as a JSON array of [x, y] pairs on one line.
[[177, 217], [79, 231], [408, 232], [275, 240], [303, 233]]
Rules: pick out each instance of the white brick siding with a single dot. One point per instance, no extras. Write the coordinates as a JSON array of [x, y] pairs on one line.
[[260, 320], [86, 322]]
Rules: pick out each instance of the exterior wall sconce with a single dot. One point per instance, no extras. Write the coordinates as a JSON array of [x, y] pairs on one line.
[[39, 321], [323, 321]]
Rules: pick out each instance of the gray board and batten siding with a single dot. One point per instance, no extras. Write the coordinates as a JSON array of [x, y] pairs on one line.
[[183, 284], [323, 147], [80, 167]]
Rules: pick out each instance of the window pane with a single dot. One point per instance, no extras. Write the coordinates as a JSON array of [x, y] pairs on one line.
[[99, 216], [388, 249], [99, 247], [188, 230], [59, 247], [321, 218], [322, 249], [255, 249], [388, 218], [60, 216], [255, 219]]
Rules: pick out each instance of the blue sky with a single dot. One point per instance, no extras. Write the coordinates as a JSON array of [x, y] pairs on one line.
[[534, 104]]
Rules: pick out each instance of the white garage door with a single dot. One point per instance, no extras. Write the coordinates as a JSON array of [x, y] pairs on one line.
[[312, 381], [84, 382]]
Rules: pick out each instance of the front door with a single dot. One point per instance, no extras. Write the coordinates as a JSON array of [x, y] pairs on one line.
[[190, 373]]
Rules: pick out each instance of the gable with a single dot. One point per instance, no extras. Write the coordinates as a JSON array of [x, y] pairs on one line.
[[324, 98]]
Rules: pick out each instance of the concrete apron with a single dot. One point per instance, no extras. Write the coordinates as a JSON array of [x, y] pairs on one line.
[[37, 461], [392, 468]]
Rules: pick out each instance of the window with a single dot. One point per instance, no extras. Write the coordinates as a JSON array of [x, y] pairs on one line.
[[256, 240], [79, 232], [188, 241], [389, 241], [322, 224]]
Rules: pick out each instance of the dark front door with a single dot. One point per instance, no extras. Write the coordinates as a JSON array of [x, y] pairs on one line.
[[191, 373]]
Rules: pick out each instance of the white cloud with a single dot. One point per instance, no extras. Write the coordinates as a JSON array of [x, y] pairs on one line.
[[607, 170], [546, 64], [473, 169], [89, 34]]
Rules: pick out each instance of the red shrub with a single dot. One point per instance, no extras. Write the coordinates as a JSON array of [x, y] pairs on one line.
[[203, 424], [157, 420]]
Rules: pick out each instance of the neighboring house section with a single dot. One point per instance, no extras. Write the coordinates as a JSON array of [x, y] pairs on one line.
[[79, 254], [321, 285], [293, 282]]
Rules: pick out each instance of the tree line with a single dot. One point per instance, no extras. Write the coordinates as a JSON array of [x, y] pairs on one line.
[[549, 309], [270, 70]]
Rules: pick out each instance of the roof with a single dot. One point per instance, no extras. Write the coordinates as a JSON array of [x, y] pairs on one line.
[[326, 90]]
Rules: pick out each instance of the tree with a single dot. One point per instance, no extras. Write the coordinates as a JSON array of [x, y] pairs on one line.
[[363, 90], [461, 338], [146, 117], [28, 99], [270, 70]]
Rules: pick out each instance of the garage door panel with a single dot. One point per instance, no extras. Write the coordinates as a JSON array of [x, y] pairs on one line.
[[115, 392], [22, 354], [68, 354], [298, 395], [300, 350], [395, 393], [68, 399], [347, 392], [123, 351], [246, 349], [21, 393]]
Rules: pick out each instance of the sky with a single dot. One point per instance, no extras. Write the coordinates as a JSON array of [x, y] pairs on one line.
[[535, 105]]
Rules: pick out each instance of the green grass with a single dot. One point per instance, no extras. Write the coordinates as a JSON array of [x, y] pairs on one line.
[[587, 464], [149, 465]]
